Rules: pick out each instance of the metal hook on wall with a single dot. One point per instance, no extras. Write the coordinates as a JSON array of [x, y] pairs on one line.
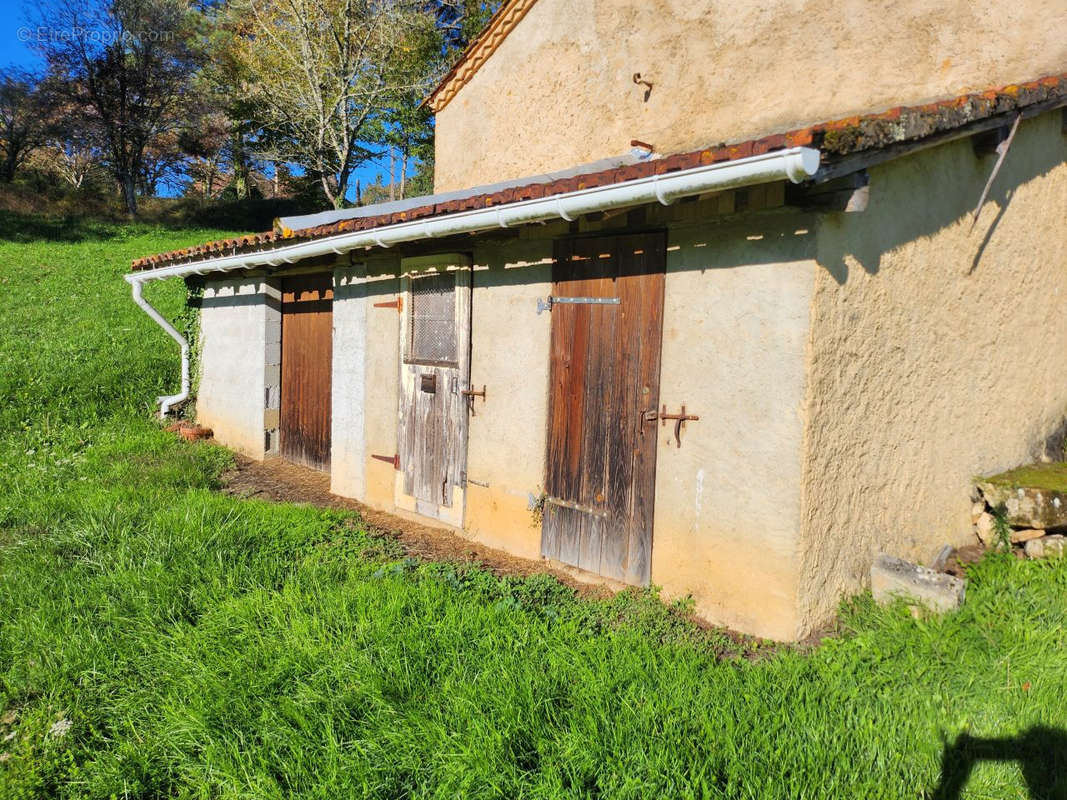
[[640, 82]]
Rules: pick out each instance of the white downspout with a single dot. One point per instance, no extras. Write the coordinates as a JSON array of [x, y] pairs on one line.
[[165, 401]]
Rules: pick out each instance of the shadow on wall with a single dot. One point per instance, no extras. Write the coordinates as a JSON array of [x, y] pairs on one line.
[[917, 196], [1041, 753], [911, 198], [774, 237]]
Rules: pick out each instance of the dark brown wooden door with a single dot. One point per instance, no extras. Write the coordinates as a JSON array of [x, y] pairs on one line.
[[605, 364], [307, 350]]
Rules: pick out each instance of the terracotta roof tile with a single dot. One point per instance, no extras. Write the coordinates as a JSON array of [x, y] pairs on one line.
[[834, 138]]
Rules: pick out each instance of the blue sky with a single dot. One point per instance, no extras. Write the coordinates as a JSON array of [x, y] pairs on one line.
[[12, 50], [15, 50]]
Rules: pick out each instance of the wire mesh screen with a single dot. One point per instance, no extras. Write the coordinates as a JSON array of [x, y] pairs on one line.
[[432, 331]]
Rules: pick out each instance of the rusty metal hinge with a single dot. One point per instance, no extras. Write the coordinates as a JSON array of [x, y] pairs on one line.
[[600, 513], [393, 459], [398, 304], [546, 305]]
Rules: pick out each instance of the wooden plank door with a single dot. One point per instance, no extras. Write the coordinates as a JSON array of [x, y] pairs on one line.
[[604, 376], [307, 351], [433, 409]]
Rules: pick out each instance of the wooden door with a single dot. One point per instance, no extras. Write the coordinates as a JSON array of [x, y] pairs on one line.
[[433, 408], [307, 350], [605, 365]]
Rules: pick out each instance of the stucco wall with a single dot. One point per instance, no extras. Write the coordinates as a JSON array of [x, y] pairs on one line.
[[559, 90], [735, 329], [348, 467], [240, 335], [382, 380], [936, 353], [736, 313], [509, 356], [727, 510]]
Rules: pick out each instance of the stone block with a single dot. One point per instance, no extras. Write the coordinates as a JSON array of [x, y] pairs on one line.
[[1025, 535], [893, 578], [1047, 547], [986, 528], [1027, 507]]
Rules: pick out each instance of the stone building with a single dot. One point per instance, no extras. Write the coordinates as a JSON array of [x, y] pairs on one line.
[[700, 300]]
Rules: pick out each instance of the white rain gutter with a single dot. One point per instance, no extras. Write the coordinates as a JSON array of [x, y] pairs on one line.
[[795, 164]]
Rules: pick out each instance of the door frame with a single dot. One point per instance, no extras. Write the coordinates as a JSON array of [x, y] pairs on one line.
[[459, 264]]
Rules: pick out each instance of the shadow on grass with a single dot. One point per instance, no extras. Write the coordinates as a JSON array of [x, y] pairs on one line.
[[179, 214], [24, 228], [1040, 751]]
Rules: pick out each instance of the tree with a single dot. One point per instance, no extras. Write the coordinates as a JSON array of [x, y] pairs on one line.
[[321, 73], [24, 119], [72, 151], [128, 63]]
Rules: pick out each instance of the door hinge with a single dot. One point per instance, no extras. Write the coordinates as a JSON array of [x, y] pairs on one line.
[[599, 513], [546, 305], [393, 459], [398, 304]]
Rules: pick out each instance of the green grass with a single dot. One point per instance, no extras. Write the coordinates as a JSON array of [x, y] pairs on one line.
[[201, 646], [1051, 477]]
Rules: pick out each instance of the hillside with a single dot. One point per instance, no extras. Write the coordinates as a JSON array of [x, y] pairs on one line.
[[159, 638]]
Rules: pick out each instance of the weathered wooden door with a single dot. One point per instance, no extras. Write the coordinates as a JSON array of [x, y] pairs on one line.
[[605, 363], [433, 407], [307, 349]]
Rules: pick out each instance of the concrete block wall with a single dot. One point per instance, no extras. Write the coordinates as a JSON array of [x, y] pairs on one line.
[[240, 357]]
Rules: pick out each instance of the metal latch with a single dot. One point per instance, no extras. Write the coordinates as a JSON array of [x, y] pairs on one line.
[[471, 392], [428, 382], [546, 305], [679, 420]]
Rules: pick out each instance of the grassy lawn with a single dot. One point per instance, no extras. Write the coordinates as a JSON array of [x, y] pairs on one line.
[[159, 639]]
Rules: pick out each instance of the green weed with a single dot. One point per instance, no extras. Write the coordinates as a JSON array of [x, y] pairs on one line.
[[161, 639]]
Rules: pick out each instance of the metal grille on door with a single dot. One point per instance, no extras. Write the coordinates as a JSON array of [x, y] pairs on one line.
[[432, 328]]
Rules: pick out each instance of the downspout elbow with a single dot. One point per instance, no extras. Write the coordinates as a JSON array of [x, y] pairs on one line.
[[165, 401]]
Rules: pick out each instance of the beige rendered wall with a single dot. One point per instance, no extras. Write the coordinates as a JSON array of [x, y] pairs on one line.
[[559, 90], [735, 331], [240, 335], [509, 356], [736, 317], [936, 353], [348, 384], [381, 374], [736, 314]]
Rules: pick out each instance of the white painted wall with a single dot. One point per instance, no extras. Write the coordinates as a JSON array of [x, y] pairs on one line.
[[240, 336]]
